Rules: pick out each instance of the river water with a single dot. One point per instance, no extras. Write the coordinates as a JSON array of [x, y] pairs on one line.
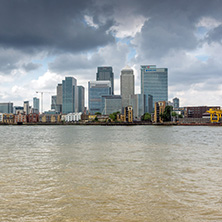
[[110, 173]]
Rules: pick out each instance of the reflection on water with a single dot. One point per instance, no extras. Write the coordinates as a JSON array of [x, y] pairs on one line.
[[115, 173]]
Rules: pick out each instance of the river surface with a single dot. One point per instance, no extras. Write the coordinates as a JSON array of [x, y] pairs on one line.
[[110, 173]]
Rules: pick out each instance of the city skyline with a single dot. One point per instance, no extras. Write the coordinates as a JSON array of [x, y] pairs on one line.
[[67, 38]]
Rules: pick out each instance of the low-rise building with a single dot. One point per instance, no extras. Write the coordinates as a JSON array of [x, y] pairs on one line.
[[49, 118], [8, 118], [73, 117], [197, 111], [158, 110], [33, 118], [128, 114], [1, 117], [20, 118]]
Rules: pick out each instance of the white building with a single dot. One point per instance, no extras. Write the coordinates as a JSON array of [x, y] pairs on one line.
[[73, 117], [1, 117]]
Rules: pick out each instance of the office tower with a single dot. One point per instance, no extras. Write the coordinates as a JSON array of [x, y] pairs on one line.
[[154, 81], [96, 90], [69, 95], [26, 107], [53, 102], [137, 101], [106, 73], [127, 85], [81, 99], [176, 103], [6, 107], [18, 109], [111, 104], [59, 98], [36, 105]]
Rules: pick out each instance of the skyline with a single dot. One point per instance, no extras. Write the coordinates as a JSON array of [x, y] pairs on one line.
[[42, 42]]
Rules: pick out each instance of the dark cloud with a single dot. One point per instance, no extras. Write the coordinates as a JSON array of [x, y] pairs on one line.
[[30, 66], [215, 35], [50, 25]]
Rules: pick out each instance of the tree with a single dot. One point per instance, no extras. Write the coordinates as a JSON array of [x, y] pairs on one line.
[[97, 113], [146, 117], [166, 115]]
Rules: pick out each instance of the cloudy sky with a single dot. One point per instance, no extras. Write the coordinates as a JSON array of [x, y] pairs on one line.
[[42, 41]]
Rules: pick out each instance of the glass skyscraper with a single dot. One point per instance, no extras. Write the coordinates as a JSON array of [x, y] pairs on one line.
[[6, 107], [96, 90], [106, 73], [154, 82], [81, 99], [35, 105], [69, 95]]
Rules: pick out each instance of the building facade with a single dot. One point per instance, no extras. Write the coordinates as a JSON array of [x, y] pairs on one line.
[[154, 81], [26, 107], [126, 85], [69, 95], [197, 111], [159, 109], [176, 103], [81, 99], [53, 102], [111, 104], [35, 105], [106, 73], [97, 89], [6, 107], [20, 118]]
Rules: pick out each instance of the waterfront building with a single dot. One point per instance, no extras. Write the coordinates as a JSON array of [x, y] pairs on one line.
[[106, 73], [69, 95], [154, 81], [1, 117], [8, 118], [49, 118], [59, 98], [20, 118], [6, 107], [35, 105], [73, 117], [33, 118], [97, 89], [176, 103], [197, 111], [159, 109], [126, 85], [81, 99], [128, 114], [111, 104], [26, 107]]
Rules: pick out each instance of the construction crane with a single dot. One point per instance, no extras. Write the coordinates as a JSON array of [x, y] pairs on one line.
[[42, 98]]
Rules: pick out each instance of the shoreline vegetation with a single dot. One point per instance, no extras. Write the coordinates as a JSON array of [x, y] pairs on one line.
[[139, 123]]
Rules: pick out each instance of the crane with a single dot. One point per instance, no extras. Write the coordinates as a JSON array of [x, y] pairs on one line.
[[42, 98]]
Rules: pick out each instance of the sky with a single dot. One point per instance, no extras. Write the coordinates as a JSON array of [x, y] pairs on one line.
[[43, 41]]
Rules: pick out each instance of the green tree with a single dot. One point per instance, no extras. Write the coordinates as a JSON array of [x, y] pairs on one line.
[[146, 117], [97, 113], [166, 115]]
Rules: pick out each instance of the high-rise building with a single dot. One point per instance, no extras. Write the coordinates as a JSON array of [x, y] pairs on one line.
[[36, 105], [127, 85], [154, 81], [81, 99], [111, 104], [97, 89], [53, 102], [106, 73], [176, 103], [59, 98], [69, 95], [26, 107], [6, 107]]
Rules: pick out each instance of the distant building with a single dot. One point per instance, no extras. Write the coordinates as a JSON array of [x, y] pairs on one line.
[[106, 73], [53, 102], [59, 98], [128, 114], [69, 95], [49, 118], [1, 117], [154, 81], [73, 117], [96, 90], [33, 118], [35, 105], [8, 118], [20, 118], [18, 109], [6, 107], [126, 85], [159, 109], [81, 99], [26, 107], [176, 103], [111, 104]]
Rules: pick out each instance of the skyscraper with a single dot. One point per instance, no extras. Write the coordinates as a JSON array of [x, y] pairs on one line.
[[96, 90], [6, 107], [53, 102], [127, 85], [26, 107], [154, 81], [69, 95], [35, 105], [81, 99], [176, 103], [59, 98], [106, 73]]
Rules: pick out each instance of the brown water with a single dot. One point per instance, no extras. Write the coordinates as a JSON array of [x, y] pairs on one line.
[[115, 173]]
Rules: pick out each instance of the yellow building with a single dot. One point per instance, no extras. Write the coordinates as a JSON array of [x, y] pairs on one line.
[[92, 117], [215, 115], [128, 114], [159, 109], [8, 118]]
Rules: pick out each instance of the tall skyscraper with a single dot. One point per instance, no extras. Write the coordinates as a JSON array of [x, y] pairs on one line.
[[69, 95], [26, 107], [6, 107], [35, 105], [106, 73], [59, 98], [96, 90], [81, 99], [127, 85], [53, 102], [154, 81]]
